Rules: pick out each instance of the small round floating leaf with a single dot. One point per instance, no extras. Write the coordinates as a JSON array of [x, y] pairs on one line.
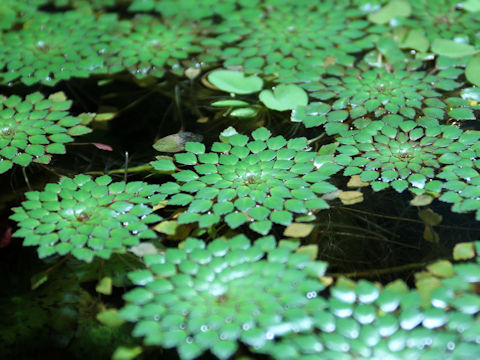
[[235, 82], [393, 9], [451, 48], [284, 97], [472, 71]]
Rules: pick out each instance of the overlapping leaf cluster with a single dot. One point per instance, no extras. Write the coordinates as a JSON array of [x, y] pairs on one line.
[[387, 120], [260, 182], [210, 297], [18, 11], [293, 42], [447, 28], [446, 19], [189, 9], [406, 154], [360, 320], [34, 128], [59, 46], [147, 46], [376, 92], [55, 47], [87, 217]]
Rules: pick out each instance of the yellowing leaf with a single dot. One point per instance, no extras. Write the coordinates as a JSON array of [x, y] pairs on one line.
[[431, 235], [126, 353], [104, 286], [192, 73], [105, 116], [168, 227], [143, 249], [429, 217], [356, 181], [298, 230], [350, 197], [464, 251], [110, 318], [176, 142], [421, 200], [441, 268], [311, 249]]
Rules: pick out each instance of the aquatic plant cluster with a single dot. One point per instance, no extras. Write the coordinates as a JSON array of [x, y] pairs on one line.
[[388, 91]]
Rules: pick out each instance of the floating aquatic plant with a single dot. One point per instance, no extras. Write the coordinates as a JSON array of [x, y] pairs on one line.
[[282, 97], [377, 92], [437, 319], [419, 24], [94, 4], [235, 82], [149, 47], [87, 217], [17, 11], [263, 181], [188, 9], [292, 42], [403, 154], [211, 297], [34, 128], [444, 19], [56, 47], [462, 179]]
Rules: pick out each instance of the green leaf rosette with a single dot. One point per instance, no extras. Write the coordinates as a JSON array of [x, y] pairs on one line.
[[404, 154], [362, 320], [211, 297], [292, 42], [18, 11], [87, 217], [260, 182], [35, 128], [147, 46], [93, 4], [377, 92], [189, 9], [56, 47]]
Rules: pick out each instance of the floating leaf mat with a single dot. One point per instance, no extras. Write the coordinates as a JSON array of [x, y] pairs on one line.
[[34, 128], [261, 181], [388, 90], [87, 217]]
